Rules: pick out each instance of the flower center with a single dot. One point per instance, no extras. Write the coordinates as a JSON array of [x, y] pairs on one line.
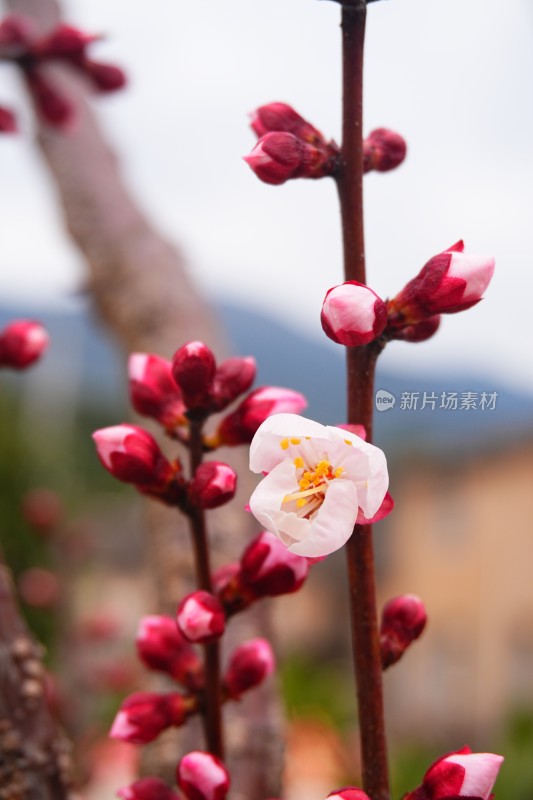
[[313, 481]]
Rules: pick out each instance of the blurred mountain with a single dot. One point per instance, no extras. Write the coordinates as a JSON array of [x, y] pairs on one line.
[[83, 365]]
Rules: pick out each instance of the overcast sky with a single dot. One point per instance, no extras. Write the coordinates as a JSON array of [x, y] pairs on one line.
[[455, 77]]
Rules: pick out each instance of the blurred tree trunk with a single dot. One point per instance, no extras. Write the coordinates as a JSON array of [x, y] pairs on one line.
[[139, 284]]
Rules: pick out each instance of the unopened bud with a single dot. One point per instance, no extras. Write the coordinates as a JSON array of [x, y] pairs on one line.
[[63, 42], [269, 569], [8, 121], [450, 282], [214, 484], [280, 117], [240, 426], [22, 342], [104, 77], [200, 617], [402, 621], [353, 314], [418, 331], [162, 647], [144, 715], [278, 157], [348, 793], [383, 150], [153, 390], [202, 776], [148, 789], [193, 368], [132, 455], [52, 107], [232, 378], [249, 665], [459, 774], [224, 575]]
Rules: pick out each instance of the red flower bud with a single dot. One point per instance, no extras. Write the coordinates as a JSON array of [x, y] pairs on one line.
[[250, 664], [418, 332], [63, 42], [278, 157], [353, 314], [144, 715], [280, 117], [214, 484], [193, 368], [105, 77], [269, 569], [460, 774], [132, 455], [224, 575], [383, 150], [148, 789], [450, 282], [8, 121], [200, 617], [348, 793], [402, 621], [240, 426], [162, 647], [232, 378], [22, 342], [51, 105], [153, 390], [202, 776]]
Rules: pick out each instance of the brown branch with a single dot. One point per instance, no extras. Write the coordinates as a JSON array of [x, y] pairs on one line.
[[35, 761]]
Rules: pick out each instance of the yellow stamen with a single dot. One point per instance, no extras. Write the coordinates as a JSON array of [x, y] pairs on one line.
[[338, 472], [347, 441], [322, 468], [298, 495], [295, 440], [298, 462], [301, 503], [284, 444]]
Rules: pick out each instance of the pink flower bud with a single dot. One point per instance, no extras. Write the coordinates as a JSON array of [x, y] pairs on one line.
[[162, 647], [214, 484], [250, 664], [383, 150], [193, 368], [233, 377], [148, 789], [353, 314], [240, 426], [460, 774], [132, 455], [104, 77], [52, 107], [348, 793], [22, 342], [153, 390], [280, 117], [402, 621], [278, 157], [200, 617], [144, 715], [8, 121], [269, 569], [202, 776], [450, 282]]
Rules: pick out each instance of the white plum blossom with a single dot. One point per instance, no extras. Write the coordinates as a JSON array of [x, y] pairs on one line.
[[317, 479]]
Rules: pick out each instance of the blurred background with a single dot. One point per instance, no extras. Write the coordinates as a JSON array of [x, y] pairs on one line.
[[455, 81]]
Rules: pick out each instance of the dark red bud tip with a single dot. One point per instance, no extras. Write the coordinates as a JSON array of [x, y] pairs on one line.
[[282, 118], [383, 150], [147, 789], [22, 343], [214, 484], [233, 377], [105, 77], [250, 664], [403, 620], [194, 368], [202, 776], [63, 42], [8, 121], [201, 618], [144, 715], [240, 426], [276, 158], [162, 647], [269, 569]]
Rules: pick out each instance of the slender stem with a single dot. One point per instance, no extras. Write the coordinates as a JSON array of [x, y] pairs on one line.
[[212, 714], [361, 363]]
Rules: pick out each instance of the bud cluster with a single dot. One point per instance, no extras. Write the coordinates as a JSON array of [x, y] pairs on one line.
[[22, 46]]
